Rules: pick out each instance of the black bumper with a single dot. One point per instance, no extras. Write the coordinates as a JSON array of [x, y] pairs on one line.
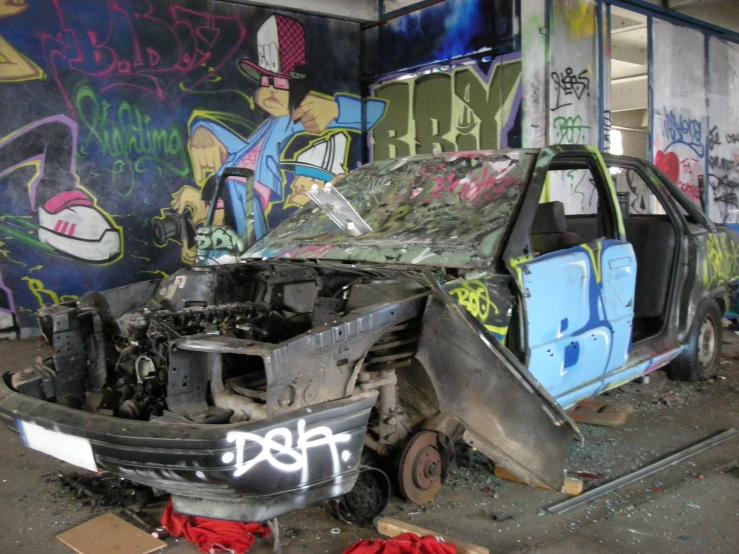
[[241, 471]]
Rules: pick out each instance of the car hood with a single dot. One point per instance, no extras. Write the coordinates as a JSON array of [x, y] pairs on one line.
[[447, 210]]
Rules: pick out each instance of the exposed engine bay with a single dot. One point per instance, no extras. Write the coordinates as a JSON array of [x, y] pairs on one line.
[[200, 346]]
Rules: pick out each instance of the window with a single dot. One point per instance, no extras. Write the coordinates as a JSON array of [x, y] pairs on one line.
[[573, 212], [635, 196]]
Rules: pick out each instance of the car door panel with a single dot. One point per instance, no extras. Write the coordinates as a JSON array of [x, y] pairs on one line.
[[579, 307]]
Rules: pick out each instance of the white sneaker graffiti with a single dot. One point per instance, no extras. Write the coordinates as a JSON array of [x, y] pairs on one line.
[[71, 223], [280, 441]]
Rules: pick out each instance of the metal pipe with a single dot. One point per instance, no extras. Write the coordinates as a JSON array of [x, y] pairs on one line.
[[572, 503]]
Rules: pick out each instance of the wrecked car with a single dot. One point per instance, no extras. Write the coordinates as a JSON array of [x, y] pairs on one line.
[[420, 302]]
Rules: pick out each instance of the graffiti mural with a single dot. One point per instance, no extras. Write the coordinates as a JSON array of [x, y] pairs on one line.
[[679, 121], [722, 144], [466, 108], [573, 97], [138, 106]]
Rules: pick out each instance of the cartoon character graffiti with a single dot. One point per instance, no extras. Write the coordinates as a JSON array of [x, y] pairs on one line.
[[323, 161], [69, 219], [285, 95], [14, 66]]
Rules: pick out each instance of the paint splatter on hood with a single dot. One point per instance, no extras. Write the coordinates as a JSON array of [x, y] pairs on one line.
[[448, 210]]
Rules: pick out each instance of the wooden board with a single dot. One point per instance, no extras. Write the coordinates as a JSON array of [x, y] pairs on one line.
[[109, 533], [572, 486], [393, 527]]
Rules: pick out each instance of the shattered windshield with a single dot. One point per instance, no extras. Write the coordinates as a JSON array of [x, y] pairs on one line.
[[445, 210]]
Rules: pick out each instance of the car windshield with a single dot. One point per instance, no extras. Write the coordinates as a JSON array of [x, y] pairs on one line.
[[445, 210]]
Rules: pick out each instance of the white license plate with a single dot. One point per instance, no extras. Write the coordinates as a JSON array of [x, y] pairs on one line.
[[68, 448]]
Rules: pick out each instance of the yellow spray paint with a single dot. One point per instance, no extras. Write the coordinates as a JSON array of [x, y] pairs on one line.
[[473, 296]]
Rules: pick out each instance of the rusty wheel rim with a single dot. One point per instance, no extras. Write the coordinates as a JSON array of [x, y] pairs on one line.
[[421, 468]]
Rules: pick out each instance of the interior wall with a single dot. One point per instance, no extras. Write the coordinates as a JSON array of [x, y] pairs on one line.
[[117, 111], [723, 132], [574, 108], [679, 115]]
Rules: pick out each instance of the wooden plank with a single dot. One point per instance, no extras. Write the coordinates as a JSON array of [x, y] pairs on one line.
[[109, 533], [572, 486], [393, 527]]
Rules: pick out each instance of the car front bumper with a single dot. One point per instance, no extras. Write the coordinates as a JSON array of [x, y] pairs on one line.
[[242, 471]]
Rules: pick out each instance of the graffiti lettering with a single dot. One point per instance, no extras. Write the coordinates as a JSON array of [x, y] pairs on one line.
[[277, 445], [570, 130], [607, 125], [464, 109], [725, 194], [473, 296], [126, 133], [567, 84], [714, 138], [681, 130], [159, 57], [732, 138], [716, 162]]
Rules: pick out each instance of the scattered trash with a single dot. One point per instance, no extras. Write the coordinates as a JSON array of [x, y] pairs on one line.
[[209, 534], [405, 543], [595, 411], [107, 490], [401, 530], [571, 486], [588, 475], [697, 476], [335, 531], [692, 505], [685, 537], [292, 533], [109, 533], [657, 489], [572, 503], [502, 516]]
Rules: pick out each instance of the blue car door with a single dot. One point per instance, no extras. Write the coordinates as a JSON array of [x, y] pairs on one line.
[[579, 308]]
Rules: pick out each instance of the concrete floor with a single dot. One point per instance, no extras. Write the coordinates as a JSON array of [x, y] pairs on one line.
[[690, 508]]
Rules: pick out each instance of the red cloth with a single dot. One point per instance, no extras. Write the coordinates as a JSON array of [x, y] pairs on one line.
[[407, 543], [213, 535]]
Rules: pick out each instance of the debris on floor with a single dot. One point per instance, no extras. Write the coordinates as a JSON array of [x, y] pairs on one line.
[[405, 543], [213, 535], [109, 533], [572, 486], [651, 469], [594, 411], [107, 490], [395, 528]]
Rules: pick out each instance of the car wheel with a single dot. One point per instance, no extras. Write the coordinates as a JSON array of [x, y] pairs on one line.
[[700, 359]]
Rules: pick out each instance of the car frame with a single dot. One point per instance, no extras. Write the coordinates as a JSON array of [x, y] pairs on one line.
[[395, 363]]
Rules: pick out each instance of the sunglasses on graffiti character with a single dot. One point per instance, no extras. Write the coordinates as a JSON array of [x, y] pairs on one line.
[[280, 83]]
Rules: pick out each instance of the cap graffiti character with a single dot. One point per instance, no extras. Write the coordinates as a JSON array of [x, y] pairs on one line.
[[281, 48]]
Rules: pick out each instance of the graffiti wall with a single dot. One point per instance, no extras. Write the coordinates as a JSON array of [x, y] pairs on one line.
[[679, 124], [474, 106], [119, 113], [723, 134], [450, 74], [573, 95]]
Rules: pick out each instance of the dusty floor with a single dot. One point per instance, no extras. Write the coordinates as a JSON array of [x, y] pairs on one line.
[[691, 507]]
